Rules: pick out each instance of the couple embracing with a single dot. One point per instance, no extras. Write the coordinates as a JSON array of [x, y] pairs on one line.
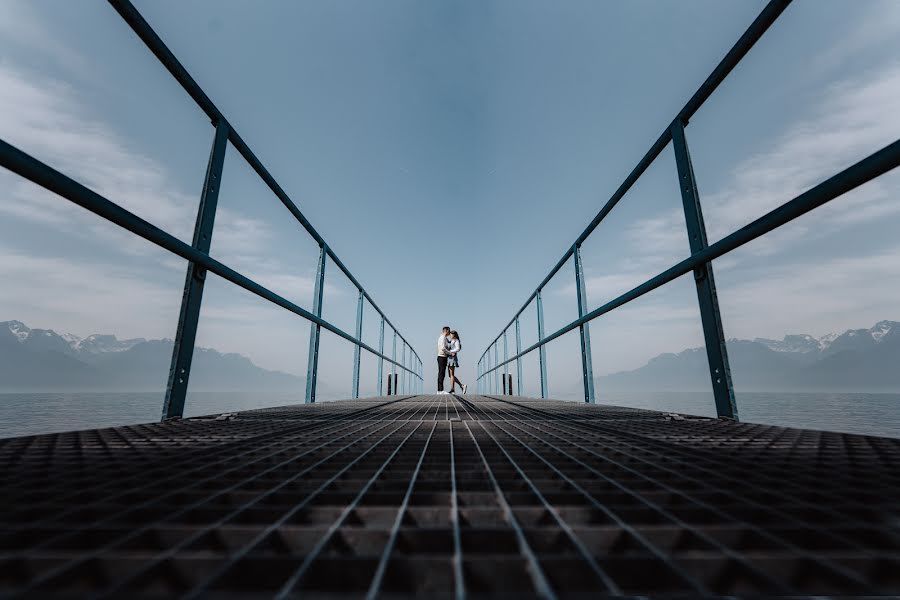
[[447, 349]]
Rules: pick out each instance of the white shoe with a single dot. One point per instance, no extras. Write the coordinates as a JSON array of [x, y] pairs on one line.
[[465, 387]]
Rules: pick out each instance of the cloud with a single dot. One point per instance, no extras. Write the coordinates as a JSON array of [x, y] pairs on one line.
[[856, 117], [19, 25], [50, 120], [827, 295], [47, 119], [82, 297]]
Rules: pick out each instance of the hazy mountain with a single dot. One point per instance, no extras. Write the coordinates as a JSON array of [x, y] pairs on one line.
[[43, 360], [859, 360]]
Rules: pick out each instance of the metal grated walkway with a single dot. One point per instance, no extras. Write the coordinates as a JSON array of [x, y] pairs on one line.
[[441, 496]]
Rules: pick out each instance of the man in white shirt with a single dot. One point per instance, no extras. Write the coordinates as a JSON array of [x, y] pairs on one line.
[[443, 351]]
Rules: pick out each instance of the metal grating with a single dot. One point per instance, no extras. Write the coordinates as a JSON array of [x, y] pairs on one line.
[[442, 496]]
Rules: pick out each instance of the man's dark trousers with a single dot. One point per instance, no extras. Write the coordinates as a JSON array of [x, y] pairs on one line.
[[442, 372]]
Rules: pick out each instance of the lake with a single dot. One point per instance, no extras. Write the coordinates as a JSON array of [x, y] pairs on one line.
[[26, 414]]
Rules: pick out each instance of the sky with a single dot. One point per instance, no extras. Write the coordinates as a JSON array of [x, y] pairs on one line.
[[449, 152]]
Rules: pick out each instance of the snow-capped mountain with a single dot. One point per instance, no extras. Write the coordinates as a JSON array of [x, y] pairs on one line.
[[804, 343], [44, 360], [18, 329], [857, 360], [50, 340], [98, 343]]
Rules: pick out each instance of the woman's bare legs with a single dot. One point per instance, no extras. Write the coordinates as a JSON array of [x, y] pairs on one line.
[[453, 379]]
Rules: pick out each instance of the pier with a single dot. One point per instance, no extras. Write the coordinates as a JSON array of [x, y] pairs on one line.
[[449, 497]]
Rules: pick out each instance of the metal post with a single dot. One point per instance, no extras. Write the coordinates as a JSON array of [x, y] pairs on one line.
[[496, 371], [587, 369], [393, 374], [312, 369], [505, 358], [510, 387], [490, 382], [478, 377], [390, 384], [519, 360], [542, 351], [380, 358], [356, 349], [189, 315], [713, 333], [403, 375], [504, 384]]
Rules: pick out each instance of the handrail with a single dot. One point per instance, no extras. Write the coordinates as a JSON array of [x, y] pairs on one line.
[[702, 254], [197, 253], [154, 43], [766, 17], [34, 170], [869, 168]]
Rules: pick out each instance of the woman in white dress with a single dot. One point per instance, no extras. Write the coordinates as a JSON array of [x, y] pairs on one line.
[[453, 362]]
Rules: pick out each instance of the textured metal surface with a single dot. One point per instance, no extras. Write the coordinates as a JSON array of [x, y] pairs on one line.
[[443, 497]]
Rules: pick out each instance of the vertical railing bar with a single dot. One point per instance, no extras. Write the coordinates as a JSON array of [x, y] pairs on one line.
[[587, 367], [496, 373], [711, 318], [542, 352], [478, 377], [315, 330], [380, 358], [521, 382], [394, 366], [505, 358], [356, 349], [490, 381], [403, 374], [192, 297]]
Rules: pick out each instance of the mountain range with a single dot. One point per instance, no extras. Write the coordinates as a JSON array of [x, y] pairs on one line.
[[43, 360], [858, 360]]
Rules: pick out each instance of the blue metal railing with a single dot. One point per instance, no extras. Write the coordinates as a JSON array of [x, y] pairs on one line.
[[197, 253], [702, 254]]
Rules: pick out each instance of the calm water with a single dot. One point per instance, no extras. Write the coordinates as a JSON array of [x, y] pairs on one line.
[[874, 414]]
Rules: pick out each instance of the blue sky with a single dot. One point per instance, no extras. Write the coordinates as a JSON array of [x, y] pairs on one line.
[[449, 152]]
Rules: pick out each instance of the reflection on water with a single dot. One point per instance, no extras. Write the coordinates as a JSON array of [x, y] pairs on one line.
[[873, 414]]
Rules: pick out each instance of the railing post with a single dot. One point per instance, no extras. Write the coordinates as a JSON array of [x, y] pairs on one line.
[[403, 374], [519, 360], [542, 351], [356, 349], [393, 374], [496, 371], [505, 358], [189, 315], [713, 333], [315, 331], [587, 369], [380, 358]]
